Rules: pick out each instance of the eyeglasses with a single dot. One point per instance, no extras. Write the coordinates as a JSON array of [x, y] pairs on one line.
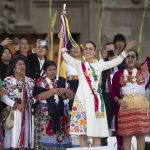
[[131, 56]]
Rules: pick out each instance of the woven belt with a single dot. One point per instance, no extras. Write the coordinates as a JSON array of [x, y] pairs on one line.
[[72, 78]]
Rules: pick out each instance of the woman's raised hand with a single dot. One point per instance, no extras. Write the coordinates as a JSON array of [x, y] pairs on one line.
[[130, 45], [61, 35], [6, 42]]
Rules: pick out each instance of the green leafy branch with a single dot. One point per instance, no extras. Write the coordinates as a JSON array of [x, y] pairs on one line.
[[53, 18], [140, 49]]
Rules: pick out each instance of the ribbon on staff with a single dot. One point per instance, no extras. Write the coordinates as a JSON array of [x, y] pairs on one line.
[[68, 37]]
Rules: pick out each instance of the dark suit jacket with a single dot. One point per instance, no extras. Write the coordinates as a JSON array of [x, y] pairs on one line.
[[34, 66], [104, 79], [3, 70]]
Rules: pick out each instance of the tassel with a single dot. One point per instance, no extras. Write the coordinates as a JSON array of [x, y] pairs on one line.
[[68, 36]]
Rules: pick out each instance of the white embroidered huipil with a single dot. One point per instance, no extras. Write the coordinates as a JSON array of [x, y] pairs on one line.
[[83, 120], [12, 135]]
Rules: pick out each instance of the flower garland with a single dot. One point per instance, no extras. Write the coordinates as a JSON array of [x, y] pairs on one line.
[[126, 75], [131, 89], [50, 84]]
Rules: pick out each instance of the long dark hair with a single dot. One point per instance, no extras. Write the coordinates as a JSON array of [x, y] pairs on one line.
[[13, 64], [49, 64]]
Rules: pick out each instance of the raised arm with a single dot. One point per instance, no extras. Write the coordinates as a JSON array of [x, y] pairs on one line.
[[110, 64], [69, 59]]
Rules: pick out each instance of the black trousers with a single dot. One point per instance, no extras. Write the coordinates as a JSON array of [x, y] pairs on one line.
[[110, 113], [73, 86]]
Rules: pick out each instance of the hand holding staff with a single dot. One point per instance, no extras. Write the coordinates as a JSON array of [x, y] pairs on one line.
[[60, 45]]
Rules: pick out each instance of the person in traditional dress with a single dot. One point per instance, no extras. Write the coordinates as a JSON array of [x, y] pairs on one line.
[[70, 73], [19, 88], [2, 93], [128, 91], [88, 112], [52, 118]]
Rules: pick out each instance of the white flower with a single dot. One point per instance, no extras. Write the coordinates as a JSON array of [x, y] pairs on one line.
[[126, 74], [13, 81], [48, 80], [134, 72], [16, 91], [56, 98], [66, 101], [51, 87], [26, 80], [130, 91], [49, 83]]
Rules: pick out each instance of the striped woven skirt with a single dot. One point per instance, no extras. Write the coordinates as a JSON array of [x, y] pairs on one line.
[[134, 117]]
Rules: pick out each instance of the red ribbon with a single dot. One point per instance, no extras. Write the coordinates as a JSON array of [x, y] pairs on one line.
[[22, 140], [96, 102]]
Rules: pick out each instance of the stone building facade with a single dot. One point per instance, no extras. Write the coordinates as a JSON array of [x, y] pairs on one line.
[[120, 16]]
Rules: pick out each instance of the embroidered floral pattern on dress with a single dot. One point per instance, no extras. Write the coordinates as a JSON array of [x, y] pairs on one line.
[[44, 124], [78, 118], [14, 87]]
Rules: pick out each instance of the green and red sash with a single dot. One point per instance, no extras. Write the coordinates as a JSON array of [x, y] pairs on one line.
[[99, 110]]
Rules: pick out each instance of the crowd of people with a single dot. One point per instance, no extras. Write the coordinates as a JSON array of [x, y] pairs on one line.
[[39, 112]]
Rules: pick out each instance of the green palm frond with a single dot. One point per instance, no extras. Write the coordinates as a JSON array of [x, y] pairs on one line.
[[52, 22], [53, 19], [140, 49]]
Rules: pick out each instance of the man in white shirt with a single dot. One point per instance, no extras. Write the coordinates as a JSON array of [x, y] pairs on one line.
[[36, 60]]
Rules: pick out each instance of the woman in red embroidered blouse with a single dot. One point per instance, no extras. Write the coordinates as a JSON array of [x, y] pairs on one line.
[[128, 90]]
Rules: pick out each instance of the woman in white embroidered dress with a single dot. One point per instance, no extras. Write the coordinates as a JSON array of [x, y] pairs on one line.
[[88, 112], [19, 97]]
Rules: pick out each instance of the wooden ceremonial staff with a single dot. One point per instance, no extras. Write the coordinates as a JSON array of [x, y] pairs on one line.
[[60, 45]]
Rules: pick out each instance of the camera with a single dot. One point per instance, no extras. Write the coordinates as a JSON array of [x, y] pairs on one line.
[[15, 41], [43, 42], [110, 53]]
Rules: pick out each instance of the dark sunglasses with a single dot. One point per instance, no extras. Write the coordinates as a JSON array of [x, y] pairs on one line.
[[131, 56]]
